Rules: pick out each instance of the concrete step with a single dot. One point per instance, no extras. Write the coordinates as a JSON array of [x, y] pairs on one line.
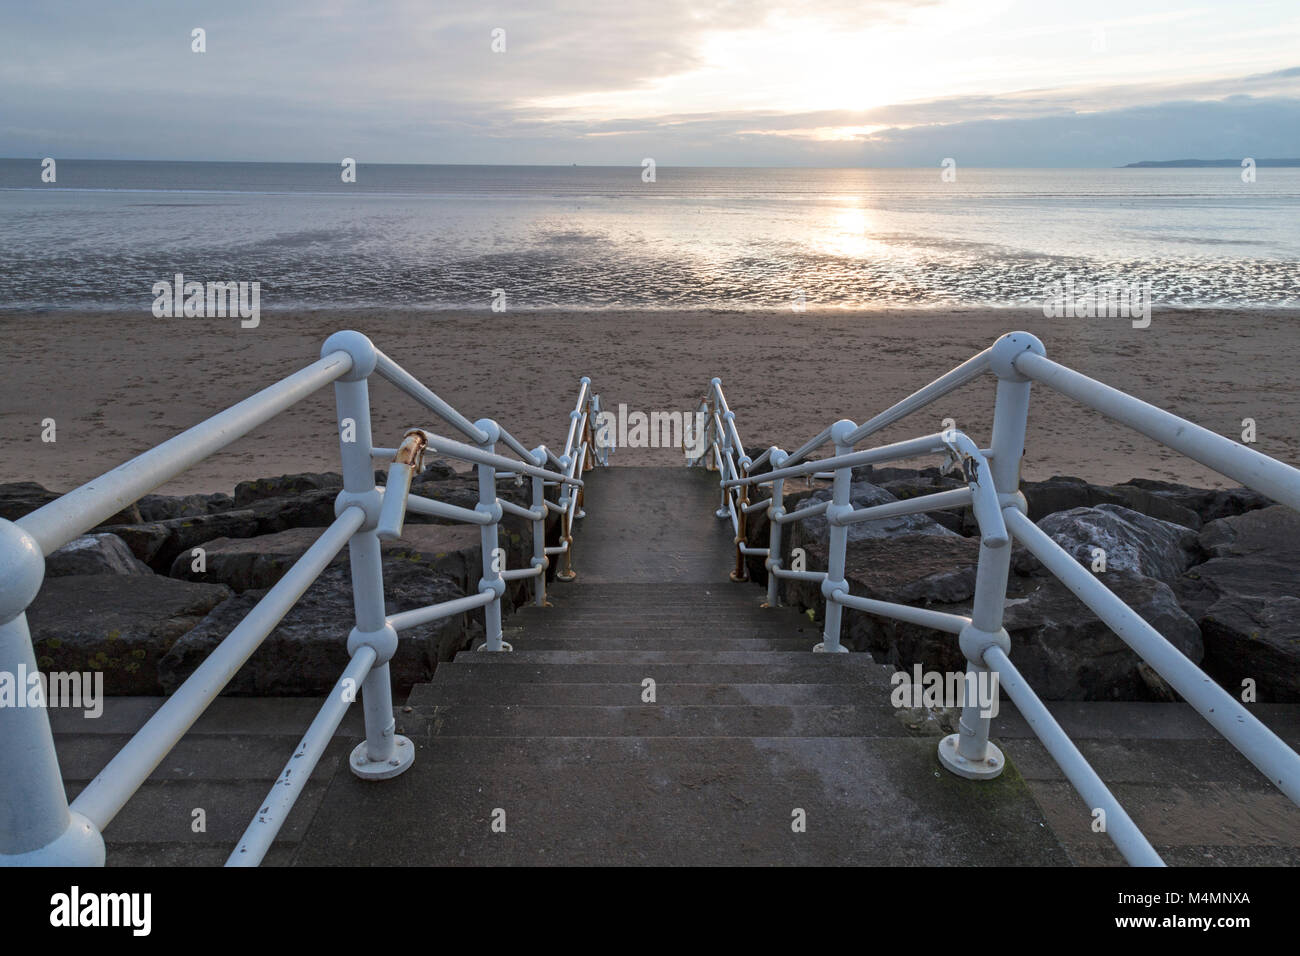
[[798, 669], [651, 619], [655, 642], [448, 692], [524, 656], [664, 720], [640, 631], [663, 594], [679, 802]]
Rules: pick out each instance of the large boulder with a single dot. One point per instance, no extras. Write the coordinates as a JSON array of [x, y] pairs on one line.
[[1066, 653], [94, 554], [1063, 649], [1064, 493], [307, 651], [283, 486], [165, 507], [157, 543], [921, 570], [258, 563], [19, 498], [913, 568], [1246, 599], [1131, 541], [119, 624], [1210, 504], [816, 529], [758, 530], [162, 543]]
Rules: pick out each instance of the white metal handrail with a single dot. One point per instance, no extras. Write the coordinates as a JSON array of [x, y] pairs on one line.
[[993, 492], [37, 824]]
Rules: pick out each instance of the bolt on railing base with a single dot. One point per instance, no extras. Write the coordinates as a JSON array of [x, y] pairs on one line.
[[988, 768], [821, 648], [505, 647], [367, 769]]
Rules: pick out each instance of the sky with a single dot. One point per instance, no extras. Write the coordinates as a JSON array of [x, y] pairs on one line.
[[685, 82]]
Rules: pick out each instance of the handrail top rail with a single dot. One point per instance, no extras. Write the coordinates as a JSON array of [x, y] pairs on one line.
[[451, 448], [910, 448]]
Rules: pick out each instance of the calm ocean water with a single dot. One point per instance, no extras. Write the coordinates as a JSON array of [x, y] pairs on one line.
[[442, 237]]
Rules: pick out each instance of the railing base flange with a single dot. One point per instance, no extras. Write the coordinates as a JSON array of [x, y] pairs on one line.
[[991, 766], [821, 648], [505, 647], [565, 576], [367, 769], [79, 845]]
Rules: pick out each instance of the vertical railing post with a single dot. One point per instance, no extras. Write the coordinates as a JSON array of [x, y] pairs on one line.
[[723, 443], [587, 441], [583, 466], [490, 541], [741, 573], [968, 753], [705, 412], [837, 546], [36, 826], [540, 560], [775, 511], [384, 753], [566, 572]]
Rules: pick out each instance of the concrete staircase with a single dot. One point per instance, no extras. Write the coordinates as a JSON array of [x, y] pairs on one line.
[[746, 728], [658, 714]]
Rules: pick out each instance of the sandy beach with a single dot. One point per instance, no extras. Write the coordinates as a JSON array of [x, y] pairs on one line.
[[118, 383]]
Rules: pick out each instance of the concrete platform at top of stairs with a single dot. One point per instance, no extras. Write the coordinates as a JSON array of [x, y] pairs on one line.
[[679, 801]]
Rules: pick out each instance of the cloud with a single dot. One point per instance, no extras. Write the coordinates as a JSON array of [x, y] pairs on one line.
[[412, 82]]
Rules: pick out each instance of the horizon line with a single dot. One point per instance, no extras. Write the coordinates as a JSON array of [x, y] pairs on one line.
[[318, 162]]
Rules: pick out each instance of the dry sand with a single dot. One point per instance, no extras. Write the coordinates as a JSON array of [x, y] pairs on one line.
[[117, 384]]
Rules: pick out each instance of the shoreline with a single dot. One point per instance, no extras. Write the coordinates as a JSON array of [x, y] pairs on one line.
[[117, 383]]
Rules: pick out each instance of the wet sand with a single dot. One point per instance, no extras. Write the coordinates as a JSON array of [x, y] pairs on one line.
[[117, 383]]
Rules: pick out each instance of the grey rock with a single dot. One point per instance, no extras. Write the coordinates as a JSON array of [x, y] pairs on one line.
[[1064, 493], [1274, 530], [281, 486], [258, 563], [157, 543], [19, 498], [863, 495], [1245, 600], [1132, 541], [1066, 653], [1064, 650], [94, 554], [307, 651], [119, 624], [165, 507], [758, 529], [1210, 504]]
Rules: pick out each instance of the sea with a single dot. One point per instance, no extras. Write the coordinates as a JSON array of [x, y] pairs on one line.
[[440, 237]]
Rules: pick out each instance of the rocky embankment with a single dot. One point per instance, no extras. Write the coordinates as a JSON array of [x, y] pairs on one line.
[[1217, 572], [133, 600]]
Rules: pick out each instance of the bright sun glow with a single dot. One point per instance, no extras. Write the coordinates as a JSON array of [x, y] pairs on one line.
[[892, 54]]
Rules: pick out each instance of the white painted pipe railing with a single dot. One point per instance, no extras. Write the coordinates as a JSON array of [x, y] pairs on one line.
[[993, 493], [37, 824]]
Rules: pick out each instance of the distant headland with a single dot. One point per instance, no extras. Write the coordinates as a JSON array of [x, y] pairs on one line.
[[1200, 163]]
